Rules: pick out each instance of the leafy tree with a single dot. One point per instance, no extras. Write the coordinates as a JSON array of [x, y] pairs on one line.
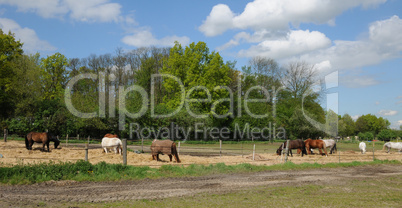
[[347, 126], [10, 52], [54, 75], [386, 134], [196, 66]]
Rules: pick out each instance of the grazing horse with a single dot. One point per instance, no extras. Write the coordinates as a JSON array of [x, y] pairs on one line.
[[113, 142], [393, 145], [164, 147], [362, 147], [44, 138], [312, 144], [330, 143], [293, 144]]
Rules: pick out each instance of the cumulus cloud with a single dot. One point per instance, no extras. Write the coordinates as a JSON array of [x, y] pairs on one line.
[[355, 117], [32, 43], [277, 14], [144, 38], [78, 10], [388, 112], [295, 43]]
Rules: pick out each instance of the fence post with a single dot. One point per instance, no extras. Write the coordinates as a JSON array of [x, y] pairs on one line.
[[66, 140], [78, 137], [5, 135], [178, 149], [373, 150], [287, 150], [142, 144], [86, 152], [124, 151], [89, 137], [253, 152], [220, 148], [339, 153]]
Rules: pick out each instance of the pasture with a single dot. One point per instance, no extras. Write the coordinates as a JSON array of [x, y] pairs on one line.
[[14, 152]]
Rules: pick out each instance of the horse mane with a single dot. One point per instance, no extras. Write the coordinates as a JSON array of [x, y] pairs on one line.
[[108, 135]]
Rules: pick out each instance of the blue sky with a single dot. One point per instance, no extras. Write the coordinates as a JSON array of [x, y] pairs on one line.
[[359, 39]]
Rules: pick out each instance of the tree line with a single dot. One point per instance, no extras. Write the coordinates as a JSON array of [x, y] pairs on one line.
[[202, 91]]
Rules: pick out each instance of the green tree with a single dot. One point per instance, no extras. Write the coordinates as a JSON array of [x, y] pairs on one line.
[[347, 126], [10, 52], [54, 75], [196, 66], [386, 134]]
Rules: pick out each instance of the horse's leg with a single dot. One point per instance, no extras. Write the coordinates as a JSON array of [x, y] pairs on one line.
[[170, 157], [47, 144], [319, 149], [291, 154]]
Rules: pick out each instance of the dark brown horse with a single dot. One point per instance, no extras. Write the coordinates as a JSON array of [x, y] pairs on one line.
[[43, 138], [164, 147], [313, 144], [293, 144]]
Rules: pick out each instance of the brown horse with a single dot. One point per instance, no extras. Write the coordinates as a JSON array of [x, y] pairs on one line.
[[43, 138], [313, 144], [293, 144], [164, 147]]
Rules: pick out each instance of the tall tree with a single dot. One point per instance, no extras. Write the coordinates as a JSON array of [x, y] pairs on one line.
[[10, 52], [54, 75]]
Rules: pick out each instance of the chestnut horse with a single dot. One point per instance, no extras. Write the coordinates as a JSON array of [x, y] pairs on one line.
[[43, 138], [293, 144], [313, 144]]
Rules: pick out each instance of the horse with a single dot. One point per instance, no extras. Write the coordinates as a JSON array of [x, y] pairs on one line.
[[164, 147], [393, 145], [330, 143], [44, 138], [293, 144], [312, 144], [112, 141], [362, 147]]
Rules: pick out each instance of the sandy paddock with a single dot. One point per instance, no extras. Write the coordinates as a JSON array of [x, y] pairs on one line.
[[14, 152]]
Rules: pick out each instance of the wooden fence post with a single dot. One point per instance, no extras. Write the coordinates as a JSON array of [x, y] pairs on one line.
[[373, 150], [253, 152], [124, 151], [142, 144], [178, 149], [86, 152], [220, 148], [78, 137], [287, 150], [5, 135], [89, 137], [66, 140]]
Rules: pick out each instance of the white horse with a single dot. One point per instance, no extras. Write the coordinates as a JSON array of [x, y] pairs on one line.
[[393, 145], [362, 147], [330, 143], [112, 143]]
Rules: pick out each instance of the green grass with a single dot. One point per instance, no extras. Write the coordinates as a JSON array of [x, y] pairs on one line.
[[85, 171], [371, 192]]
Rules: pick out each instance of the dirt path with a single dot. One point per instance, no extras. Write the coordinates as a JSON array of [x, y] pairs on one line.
[[71, 191]]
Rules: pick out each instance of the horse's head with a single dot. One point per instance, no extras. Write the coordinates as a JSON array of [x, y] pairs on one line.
[[278, 151], [54, 139], [56, 143]]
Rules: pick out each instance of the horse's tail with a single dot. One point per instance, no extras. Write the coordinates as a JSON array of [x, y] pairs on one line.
[[26, 142], [174, 152]]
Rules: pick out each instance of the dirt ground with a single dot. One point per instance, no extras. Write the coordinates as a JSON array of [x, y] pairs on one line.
[[62, 193], [14, 152]]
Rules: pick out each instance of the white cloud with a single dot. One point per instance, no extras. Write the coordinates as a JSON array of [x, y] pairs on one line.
[[295, 43], [144, 38], [388, 112], [399, 122], [277, 14], [78, 10], [32, 43], [355, 117]]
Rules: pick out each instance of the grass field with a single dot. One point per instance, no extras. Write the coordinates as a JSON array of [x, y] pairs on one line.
[[378, 192]]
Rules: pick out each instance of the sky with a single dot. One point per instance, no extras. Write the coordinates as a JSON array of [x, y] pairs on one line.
[[355, 44]]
